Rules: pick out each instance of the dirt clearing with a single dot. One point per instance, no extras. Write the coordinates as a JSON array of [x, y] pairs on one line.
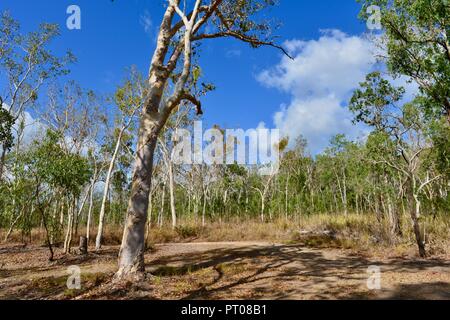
[[227, 270]]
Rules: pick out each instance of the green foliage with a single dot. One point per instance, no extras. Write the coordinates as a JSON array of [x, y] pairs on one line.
[[375, 98], [57, 168], [242, 16], [129, 96], [26, 58], [6, 123], [417, 45], [440, 133]]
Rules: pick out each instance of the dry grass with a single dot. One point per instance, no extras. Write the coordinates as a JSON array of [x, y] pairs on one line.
[[358, 232]]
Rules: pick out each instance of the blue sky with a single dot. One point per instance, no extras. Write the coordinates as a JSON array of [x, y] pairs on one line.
[[114, 36]]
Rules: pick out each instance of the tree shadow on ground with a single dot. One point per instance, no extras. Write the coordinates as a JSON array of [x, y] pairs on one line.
[[252, 272], [293, 272], [430, 290]]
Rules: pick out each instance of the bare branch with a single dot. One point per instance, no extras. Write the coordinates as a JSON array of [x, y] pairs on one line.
[[429, 181], [179, 12], [245, 38], [189, 97]]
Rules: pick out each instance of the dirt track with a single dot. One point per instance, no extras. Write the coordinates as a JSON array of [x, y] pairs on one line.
[[231, 270]]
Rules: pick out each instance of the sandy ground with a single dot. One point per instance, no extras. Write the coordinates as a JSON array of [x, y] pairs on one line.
[[229, 270]]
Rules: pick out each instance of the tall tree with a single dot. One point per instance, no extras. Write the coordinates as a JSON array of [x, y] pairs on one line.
[[129, 99], [416, 44], [400, 141], [27, 63], [218, 19]]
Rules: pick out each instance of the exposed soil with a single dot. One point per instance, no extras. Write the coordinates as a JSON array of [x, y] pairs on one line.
[[228, 270]]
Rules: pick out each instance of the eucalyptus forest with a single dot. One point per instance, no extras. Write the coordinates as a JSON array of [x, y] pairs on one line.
[[89, 178]]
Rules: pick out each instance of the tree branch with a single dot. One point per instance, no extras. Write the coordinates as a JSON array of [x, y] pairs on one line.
[[248, 39], [189, 97]]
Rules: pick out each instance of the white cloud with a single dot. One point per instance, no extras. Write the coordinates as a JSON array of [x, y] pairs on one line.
[[32, 129], [320, 81], [146, 21], [411, 87], [316, 119]]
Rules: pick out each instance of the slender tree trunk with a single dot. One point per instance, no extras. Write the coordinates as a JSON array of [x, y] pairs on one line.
[[224, 202], [55, 211], [61, 214], [83, 203], [395, 219], [161, 211], [72, 227], [83, 245], [76, 217], [189, 204], [89, 216], [335, 201], [2, 160], [98, 241], [415, 215], [172, 194], [68, 238], [44, 219], [286, 205], [344, 182], [341, 193], [246, 201], [13, 224], [378, 211], [383, 204], [204, 211], [195, 207], [262, 209], [149, 222]]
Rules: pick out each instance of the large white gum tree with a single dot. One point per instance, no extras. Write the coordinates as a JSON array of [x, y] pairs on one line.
[[182, 26]]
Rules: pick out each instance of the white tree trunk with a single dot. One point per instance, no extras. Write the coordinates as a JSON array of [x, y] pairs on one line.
[[91, 206], [98, 241], [149, 223], [131, 255], [172, 194], [204, 211], [68, 237], [415, 215]]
